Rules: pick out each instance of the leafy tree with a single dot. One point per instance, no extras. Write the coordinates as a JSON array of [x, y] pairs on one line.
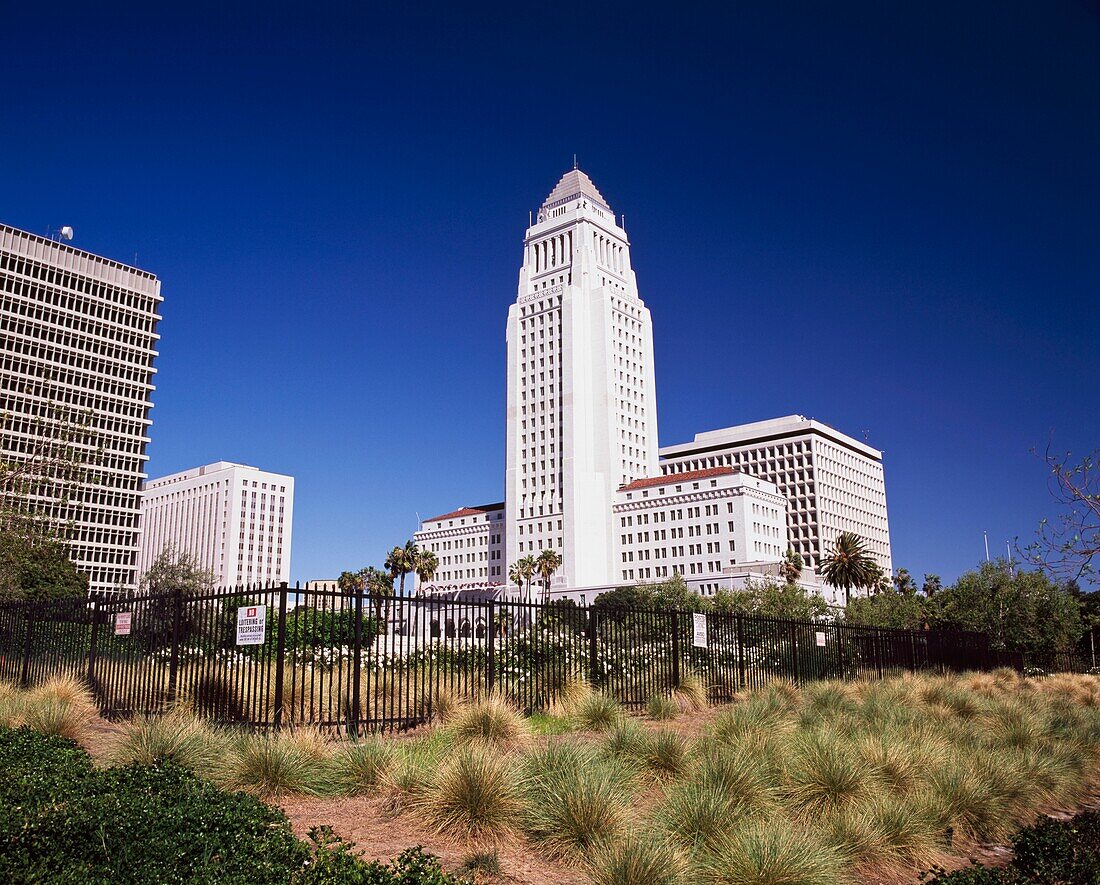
[[35, 565], [848, 565], [932, 585], [888, 608], [772, 600], [1020, 610], [661, 596], [547, 563], [790, 569], [898, 605], [1068, 548], [173, 571]]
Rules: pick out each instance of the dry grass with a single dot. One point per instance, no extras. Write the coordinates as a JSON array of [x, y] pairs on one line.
[[489, 721], [61, 706], [475, 795]]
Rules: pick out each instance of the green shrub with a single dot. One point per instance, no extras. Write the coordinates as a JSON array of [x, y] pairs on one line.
[[63, 821]]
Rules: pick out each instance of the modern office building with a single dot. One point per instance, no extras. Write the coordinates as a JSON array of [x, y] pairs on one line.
[[832, 483], [235, 520], [584, 475], [78, 336]]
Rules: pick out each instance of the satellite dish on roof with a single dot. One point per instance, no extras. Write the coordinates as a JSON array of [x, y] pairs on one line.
[[66, 233]]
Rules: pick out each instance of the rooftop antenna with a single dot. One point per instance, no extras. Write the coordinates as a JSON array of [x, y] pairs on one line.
[[66, 233], [574, 161], [986, 536]]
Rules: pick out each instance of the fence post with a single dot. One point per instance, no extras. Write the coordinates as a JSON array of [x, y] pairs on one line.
[[490, 649], [280, 650], [794, 653], [675, 649], [25, 675], [740, 653], [356, 664], [174, 664], [593, 663], [93, 643]]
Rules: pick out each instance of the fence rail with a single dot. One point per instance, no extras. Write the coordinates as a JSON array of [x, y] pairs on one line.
[[368, 663]]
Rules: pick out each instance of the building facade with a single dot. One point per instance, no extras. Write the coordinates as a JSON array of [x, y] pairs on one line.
[[79, 337], [832, 483], [699, 525], [235, 520], [469, 544], [581, 411]]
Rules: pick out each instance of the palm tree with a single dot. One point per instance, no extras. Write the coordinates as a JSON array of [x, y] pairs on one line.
[[379, 586], [426, 564], [790, 569], [522, 573], [548, 562], [849, 565], [401, 561], [350, 584]]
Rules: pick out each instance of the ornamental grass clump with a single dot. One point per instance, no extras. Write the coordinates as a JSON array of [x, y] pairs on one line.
[[598, 712], [179, 737], [489, 721], [744, 776], [361, 766], [691, 694], [824, 773], [281, 764], [665, 754], [661, 708], [636, 859], [699, 814], [62, 706], [415, 762], [573, 800], [571, 694], [475, 795], [764, 853]]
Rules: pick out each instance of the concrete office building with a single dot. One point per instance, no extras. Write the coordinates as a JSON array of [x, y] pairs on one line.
[[832, 483], [78, 336], [469, 544], [235, 520]]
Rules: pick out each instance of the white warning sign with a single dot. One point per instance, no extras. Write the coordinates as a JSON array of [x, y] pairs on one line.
[[819, 637], [251, 624], [123, 620], [699, 630]]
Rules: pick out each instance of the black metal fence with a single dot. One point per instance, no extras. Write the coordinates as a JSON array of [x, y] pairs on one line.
[[281, 656]]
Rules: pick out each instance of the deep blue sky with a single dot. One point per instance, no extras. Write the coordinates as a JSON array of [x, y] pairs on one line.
[[881, 215]]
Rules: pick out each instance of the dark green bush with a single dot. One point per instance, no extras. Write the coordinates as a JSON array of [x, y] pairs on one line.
[[63, 821], [1052, 852]]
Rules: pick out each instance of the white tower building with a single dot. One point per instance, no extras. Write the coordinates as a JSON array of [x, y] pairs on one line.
[[582, 416], [234, 519]]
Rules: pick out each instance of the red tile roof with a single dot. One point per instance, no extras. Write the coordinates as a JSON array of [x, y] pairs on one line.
[[467, 511], [689, 476]]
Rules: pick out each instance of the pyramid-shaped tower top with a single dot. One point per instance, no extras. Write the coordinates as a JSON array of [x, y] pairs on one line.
[[572, 185]]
